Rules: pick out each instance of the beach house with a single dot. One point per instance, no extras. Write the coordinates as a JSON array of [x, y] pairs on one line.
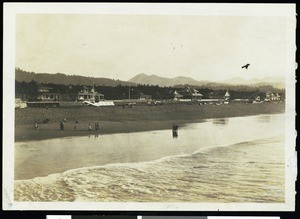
[[175, 95], [39, 92], [191, 94], [46, 93], [271, 97], [89, 94], [141, 96], [227, 96]]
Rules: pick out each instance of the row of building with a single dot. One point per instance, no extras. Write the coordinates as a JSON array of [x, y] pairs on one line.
[[43, 93], [46, 93]]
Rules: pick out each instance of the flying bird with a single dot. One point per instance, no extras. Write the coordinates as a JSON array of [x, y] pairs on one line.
[[246, 66]]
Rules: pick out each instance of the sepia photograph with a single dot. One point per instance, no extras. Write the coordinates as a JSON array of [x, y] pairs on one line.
[[149, 107]]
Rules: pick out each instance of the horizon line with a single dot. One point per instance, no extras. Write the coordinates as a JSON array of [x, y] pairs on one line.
[[149, 75]]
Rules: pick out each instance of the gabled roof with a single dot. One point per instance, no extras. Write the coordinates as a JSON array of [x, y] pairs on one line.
[[195, 91], [227, 94]]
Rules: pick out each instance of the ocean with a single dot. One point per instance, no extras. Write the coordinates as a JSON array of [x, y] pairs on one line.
[[238, 159]]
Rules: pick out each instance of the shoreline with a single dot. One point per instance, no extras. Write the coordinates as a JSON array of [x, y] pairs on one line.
[[62, 154], [117, 120], [25, 187], [29, 133]]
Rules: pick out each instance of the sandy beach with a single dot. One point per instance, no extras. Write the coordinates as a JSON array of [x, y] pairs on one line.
[[198, 166], [123, 120]]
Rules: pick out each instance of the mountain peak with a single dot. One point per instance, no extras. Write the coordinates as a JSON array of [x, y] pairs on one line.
[[142, 75], [161, 81]]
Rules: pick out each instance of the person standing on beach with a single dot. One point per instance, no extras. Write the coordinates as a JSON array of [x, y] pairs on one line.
[[61, 126], [96, 126], [76, 122], [90, 127], [36, 125]]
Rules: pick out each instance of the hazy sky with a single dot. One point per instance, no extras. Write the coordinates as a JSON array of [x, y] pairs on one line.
[[122, 46]]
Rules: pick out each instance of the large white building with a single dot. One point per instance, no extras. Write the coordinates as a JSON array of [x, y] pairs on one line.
[[87, 94]]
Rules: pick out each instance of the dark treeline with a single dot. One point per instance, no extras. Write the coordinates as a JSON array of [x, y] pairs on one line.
[[159, 93], [60, 78]]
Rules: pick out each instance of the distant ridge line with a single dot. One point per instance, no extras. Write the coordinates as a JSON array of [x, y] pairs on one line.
[[181, 80], [60, 78], [64, 79]]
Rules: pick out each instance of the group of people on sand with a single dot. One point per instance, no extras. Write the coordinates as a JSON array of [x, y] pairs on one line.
[[63, 122], [89, 126], [96, 126]]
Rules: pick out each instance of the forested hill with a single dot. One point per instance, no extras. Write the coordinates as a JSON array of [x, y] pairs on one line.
[[63, 79]]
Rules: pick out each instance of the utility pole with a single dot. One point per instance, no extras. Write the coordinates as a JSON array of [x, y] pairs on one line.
[[129, 93]]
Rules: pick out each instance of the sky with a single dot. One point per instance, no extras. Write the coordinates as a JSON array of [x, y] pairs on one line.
[[121, 46]]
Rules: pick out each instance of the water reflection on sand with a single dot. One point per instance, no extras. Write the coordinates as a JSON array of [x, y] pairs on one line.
[[41, 158], [223, 121]]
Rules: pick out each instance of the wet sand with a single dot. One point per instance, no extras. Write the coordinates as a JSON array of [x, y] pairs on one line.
[[47, 131], [119, 120]]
